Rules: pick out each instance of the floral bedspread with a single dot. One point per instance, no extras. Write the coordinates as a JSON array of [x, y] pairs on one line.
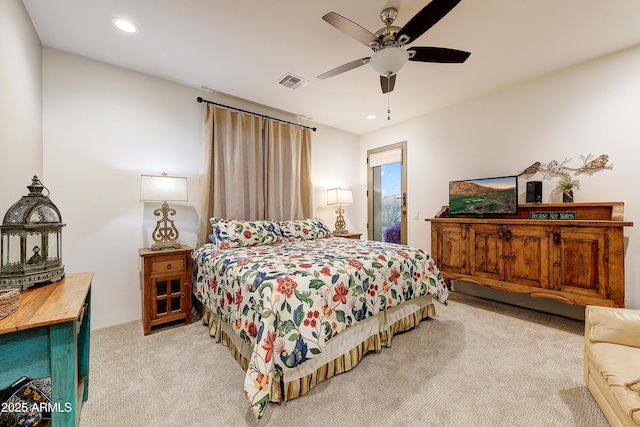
[[287, 301]]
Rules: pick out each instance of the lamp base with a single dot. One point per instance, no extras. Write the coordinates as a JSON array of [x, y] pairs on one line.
[[340, 223], [165, 234]]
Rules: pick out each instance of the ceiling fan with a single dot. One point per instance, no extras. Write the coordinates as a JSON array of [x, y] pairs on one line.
[[389, 56]]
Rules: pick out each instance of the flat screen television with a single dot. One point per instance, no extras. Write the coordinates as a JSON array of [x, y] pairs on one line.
[[484, 196]]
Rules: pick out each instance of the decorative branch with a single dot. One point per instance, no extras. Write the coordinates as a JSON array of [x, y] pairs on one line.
[[558, 169], [553, 168]]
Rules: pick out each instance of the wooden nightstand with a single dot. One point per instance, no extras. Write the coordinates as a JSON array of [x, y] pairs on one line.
[[349, 235], [166, 286]]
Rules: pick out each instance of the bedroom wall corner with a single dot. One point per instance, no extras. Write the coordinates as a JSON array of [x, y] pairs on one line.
[[335, 155], [104, 126], [20, 103]]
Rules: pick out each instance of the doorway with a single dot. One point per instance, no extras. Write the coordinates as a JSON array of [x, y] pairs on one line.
[[387, 193]]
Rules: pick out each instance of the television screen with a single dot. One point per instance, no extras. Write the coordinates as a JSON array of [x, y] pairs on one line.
[[485, 196]]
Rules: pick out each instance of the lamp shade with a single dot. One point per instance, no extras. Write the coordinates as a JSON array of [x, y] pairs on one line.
[[163, 188], [339, 196], [389, 61]]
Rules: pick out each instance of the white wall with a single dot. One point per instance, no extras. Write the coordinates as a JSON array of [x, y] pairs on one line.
[[20, 103], [334, 165], [103, 127], [588, 109]]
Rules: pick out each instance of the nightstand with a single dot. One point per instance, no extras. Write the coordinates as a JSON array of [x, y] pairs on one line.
[[166, 286], [349, 235]]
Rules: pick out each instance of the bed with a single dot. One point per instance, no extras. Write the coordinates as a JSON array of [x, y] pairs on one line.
[[296, 305]]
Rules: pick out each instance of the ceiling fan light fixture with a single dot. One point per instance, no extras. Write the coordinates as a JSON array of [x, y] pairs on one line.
[[389, 61]]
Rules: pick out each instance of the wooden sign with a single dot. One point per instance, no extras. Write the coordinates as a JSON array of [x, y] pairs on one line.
[[566, 216]]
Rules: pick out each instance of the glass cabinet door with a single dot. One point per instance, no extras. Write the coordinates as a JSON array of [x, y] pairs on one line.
[[168, 296]]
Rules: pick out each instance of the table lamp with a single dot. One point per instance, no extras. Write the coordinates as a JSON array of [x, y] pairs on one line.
[[340, 197], [164, 188]]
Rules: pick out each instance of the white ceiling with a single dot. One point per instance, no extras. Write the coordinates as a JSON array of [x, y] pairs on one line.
[[242, 48]]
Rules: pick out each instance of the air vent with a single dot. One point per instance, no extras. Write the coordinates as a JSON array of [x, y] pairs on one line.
[[292, 81]]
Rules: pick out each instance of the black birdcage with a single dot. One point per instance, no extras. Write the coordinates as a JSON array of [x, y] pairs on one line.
[[31, 246]]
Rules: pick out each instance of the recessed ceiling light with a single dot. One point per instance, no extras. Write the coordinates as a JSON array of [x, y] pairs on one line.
[[124, 25], [371, 116]]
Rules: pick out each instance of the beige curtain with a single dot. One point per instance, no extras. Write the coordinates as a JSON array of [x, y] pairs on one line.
[[232, 183], [288, 188], [246, 179]]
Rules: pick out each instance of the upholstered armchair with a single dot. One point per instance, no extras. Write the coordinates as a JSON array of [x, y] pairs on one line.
[[612, 362]]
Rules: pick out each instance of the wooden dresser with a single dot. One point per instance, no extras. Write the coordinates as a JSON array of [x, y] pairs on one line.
[[575, 261], [49, 337]]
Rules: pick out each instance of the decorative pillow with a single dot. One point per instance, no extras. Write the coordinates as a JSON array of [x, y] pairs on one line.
[[634, 385], [271, 233], [235, 234], [215, 222], [27, 402], [304, 229]]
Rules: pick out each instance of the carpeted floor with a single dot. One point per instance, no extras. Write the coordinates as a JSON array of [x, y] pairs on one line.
[[477, 363]]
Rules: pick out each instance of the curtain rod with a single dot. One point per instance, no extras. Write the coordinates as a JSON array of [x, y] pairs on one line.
[[200, 100]]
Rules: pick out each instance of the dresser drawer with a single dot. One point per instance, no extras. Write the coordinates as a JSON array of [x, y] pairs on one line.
[[165, 265]]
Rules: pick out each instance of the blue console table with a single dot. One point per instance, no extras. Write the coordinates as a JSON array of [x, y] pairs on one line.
[[49, 336]]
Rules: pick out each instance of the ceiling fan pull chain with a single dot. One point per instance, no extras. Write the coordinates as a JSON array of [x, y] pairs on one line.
[[388, 105]]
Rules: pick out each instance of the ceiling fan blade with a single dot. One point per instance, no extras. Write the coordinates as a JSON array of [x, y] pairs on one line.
[[387, 83], [350, 28], [346, 67], [438, 54], [426, 18]]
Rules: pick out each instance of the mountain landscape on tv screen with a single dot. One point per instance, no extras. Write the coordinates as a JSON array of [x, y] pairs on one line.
[[467, 197]]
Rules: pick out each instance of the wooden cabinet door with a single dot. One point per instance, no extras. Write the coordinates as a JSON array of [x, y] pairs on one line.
[[486, 256], [580, 261], [167, 297], [452, 248], [527, 253]]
